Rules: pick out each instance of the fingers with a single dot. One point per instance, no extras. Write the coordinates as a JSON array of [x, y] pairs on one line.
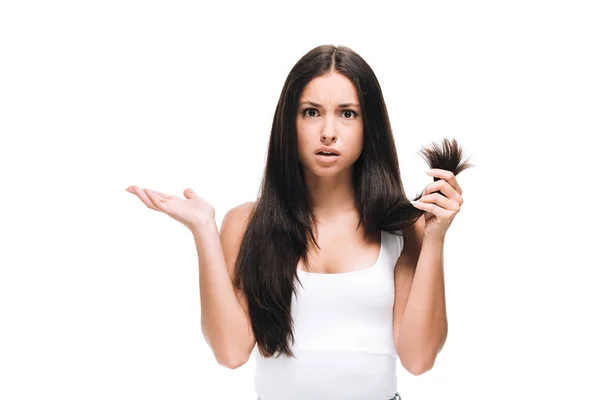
[[432, 208], [446, 175], [160, 194], [446, 189], [147, 197], [189, 193], [450, 199], [443, 202], [155, 199]]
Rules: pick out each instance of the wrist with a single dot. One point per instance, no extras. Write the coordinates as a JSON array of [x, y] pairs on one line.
[[202, 227], [434, 239]]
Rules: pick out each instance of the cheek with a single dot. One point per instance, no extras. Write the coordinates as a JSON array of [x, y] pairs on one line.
[[360, 138], [304, 135], [358, 142], [303, 144]]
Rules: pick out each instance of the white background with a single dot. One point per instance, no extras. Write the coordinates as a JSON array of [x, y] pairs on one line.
[[99, 295]]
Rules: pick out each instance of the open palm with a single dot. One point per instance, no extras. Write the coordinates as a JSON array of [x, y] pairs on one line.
[[191, 211]]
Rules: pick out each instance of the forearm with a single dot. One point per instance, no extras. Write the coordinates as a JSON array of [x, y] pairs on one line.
[[223, 320], [424, 324]]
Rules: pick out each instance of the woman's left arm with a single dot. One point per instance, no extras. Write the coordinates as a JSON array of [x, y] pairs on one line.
[[420, 321]]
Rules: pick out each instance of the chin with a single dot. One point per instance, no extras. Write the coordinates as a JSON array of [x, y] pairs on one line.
[[325, 172], [329, 171]]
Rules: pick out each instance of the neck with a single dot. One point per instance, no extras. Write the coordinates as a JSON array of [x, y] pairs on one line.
[[330, 195]]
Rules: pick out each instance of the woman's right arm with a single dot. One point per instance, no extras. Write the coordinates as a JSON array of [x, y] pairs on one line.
[[224, 314]]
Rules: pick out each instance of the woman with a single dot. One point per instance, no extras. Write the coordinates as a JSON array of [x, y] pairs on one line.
[[332, 275]]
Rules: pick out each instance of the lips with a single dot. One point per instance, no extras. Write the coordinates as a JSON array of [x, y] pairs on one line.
[[327, 151]]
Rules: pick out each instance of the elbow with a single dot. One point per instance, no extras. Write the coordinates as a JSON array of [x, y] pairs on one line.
[[231, 362], [224, 358], [417, 366], [227, 359], [417, 363], [419, 369]]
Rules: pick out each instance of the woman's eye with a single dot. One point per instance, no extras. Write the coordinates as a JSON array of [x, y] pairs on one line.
[[309, 109], [352, 113]]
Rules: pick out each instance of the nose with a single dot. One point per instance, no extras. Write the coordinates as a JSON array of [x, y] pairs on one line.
[[328, 135]]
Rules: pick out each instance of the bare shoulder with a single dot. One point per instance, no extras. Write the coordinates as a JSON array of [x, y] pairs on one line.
[[232, 231], [238, 216]]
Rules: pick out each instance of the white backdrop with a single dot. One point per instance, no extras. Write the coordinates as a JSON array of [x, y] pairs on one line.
[[99, 295]]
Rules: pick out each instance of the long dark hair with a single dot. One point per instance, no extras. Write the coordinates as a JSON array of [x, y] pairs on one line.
[[282, 222]]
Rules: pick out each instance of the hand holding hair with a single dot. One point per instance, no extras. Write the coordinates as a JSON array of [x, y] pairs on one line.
[[441, 206]]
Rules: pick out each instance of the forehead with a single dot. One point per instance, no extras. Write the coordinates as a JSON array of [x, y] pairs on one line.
[[332, 88]]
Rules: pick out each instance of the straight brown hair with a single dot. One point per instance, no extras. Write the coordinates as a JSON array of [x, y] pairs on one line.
[[283, 222]]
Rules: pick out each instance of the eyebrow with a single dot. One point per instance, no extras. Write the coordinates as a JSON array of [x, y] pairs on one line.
[[320, 106]]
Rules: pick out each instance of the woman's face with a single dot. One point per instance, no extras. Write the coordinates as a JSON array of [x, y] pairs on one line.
[[329, 115]]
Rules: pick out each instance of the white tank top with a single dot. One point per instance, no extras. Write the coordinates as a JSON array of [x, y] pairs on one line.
[[343, 332]]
